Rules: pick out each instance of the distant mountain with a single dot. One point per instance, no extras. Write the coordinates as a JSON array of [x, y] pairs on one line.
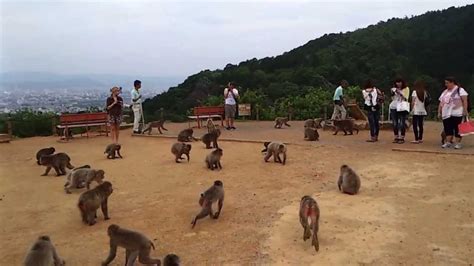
[[430, 46], [45, 80]]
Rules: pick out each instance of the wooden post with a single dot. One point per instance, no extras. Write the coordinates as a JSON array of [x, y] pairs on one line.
[[9, 128], [53, 127], [257, 110], [161, 113]]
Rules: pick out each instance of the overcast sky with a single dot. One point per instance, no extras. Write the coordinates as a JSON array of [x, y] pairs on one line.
[[174, 38]]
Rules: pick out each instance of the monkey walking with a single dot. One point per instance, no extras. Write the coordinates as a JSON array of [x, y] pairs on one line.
[[280, 121], [309, 209], [171, 260], [210, 196], [135, 244], [213, 159], [42, 152], [180, 148], [158, 124], [275, 149], [211, 137], [113, 151], [43, 253], [94, 199], [349, 181], [186, 135], [210, 125], [78, 177], [57, 161], [346, 125]]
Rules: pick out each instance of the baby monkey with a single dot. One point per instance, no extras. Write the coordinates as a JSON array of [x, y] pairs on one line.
[[275, 149], [309, 209], [349, 181], [113, 151], [210, 196], [280, 121], [42, 152], [171, 260], [213, 159]]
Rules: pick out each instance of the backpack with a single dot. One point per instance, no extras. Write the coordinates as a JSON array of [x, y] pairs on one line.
[[469, 107], [427, 100]]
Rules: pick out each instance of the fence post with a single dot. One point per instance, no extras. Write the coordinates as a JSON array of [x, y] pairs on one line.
[[53, 127], [9, 128], [257, 109]]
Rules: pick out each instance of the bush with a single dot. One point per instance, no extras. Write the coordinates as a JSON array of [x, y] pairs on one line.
[[28, 123]]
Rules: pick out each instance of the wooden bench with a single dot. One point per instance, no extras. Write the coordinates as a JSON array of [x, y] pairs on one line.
[[205, 112], [68, 121]]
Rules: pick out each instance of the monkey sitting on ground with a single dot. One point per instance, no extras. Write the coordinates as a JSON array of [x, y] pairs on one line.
[[311, 134], [274, 149], [280, 121], [113, 150], [211, 137], [210, 196], [186, 135], [349, 181], [346, 125], [43, 253], [94, 199], [309, 123], [136, 245], [171, 260], [179, 148], [210, 125], [57, 161], [42, 152], [309, 210], [158, 124], [78, 177], [213, 159]]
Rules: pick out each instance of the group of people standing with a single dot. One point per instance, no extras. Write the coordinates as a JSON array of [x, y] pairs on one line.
[[453, 106]]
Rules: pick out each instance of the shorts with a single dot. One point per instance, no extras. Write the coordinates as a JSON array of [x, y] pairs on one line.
[[451, 126], [115, 119], [230, 110]]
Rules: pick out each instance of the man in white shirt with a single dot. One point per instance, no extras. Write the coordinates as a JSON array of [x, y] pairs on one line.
[[136, 106], [231, 94], [338, 98]]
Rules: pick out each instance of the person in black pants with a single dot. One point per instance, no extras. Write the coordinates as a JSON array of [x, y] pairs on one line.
[[418, 99], [370, 94]]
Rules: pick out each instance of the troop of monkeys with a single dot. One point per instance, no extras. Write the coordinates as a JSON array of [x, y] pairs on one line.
[[136, 244]]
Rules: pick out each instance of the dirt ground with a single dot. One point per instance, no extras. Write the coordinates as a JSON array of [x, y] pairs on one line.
[[413, 208]]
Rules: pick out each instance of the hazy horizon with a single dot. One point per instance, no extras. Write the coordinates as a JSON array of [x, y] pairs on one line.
[[174, 39]]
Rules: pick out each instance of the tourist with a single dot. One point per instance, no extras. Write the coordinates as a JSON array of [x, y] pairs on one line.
[[136, 106], [339, 109], [371, 104], [231, 94], [114, 110], [452, 107], [399, 109], [418, 102]]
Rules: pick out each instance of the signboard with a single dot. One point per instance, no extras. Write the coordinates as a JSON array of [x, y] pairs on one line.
[[244, 109]]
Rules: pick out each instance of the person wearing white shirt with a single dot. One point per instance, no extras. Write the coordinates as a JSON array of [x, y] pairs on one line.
[[399, 109], [452, 108], [370, 94], [136, 106], [231, 94], [338, 98], [418, 100]]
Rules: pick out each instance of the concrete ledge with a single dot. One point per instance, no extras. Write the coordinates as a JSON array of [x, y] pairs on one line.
[[432, 152]]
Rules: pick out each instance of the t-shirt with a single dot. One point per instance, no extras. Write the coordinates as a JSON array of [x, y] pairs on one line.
[[116, 110], [338, 94], [370, 97], [451, 102], [135, 95], [418, 106], [230, 98], [399, 96]]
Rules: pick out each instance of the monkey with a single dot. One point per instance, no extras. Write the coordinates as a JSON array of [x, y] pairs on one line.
[[82, 184], [349, 181], [43, 253], [186, 135], [211, 137], [213, 159], [171, 260], [179, 148], [113, 150], [158, 124], [274, 149], [309, 123], [78, 177], [58, 161], [279, 121], [319, 122], [91, 200], [345, 125], [45, 151], [135, 243], [311, 134], [309, 209], [210, 125], [210, 196]]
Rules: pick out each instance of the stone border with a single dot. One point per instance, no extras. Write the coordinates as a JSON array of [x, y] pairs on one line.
[[432, 152]]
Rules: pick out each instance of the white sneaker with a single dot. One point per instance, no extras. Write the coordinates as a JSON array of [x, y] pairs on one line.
[[458, 146], [446, 145]]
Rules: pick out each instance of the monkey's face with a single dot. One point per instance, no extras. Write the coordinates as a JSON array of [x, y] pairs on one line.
[[112, 229]]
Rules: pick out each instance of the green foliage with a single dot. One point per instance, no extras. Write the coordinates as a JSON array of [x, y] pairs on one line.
[[28, 123], [214, 100]]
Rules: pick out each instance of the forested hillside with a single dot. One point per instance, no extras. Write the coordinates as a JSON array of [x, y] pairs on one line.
[[430, 46]]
